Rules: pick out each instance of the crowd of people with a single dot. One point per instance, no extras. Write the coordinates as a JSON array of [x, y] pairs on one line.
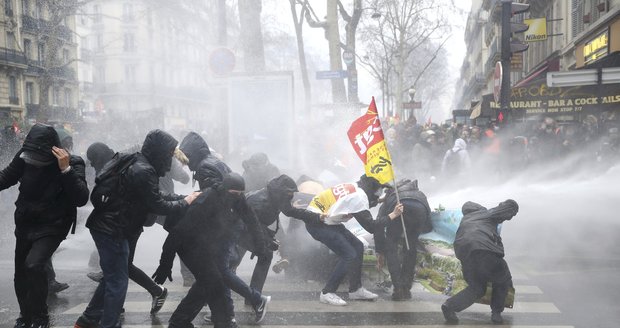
[[426, 151], [211, 229]]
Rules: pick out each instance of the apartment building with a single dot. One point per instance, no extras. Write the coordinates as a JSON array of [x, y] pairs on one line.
[[146, 62], [579, 34], [37, 63]]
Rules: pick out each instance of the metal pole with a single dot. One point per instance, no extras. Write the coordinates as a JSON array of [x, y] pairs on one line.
[[505, 59], [402, 219]]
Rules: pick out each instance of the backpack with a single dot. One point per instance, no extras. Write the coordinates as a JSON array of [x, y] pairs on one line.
[[453, 162], [108, 194]]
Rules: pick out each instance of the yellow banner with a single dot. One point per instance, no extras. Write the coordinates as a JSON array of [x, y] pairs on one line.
[[379, 163], [537, 30]]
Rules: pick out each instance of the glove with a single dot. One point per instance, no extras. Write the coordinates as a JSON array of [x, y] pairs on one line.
[[273, 245], [161, 274]]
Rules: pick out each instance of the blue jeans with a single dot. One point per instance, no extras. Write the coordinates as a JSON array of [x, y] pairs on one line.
[[224, 257], [109, 297], [349, 249]]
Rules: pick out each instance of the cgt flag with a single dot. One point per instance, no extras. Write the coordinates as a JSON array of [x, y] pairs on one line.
[[367, 139]]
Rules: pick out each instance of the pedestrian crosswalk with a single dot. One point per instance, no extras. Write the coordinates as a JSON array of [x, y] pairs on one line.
[[295, 304]]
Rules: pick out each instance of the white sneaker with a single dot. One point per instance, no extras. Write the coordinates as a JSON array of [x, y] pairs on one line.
[[332, 299], [362, 294]]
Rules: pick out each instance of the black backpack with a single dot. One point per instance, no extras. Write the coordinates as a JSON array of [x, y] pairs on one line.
[[453, 162], [108, 194]]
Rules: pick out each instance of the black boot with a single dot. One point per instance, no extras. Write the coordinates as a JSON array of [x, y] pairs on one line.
[[22, 323], [449, 315], [40, 322], [496, 318]]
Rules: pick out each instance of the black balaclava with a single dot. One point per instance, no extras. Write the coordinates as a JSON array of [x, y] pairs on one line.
[[98, 154], [281, 190], [231, 181], [370, 186], [158, 148]]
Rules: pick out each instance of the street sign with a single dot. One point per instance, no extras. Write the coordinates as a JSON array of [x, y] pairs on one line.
[[348, 57], [222, 61], [412, 105], [497, 81], [330, 75]]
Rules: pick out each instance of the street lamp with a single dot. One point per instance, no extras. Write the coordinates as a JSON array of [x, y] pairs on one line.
[[411, 94]]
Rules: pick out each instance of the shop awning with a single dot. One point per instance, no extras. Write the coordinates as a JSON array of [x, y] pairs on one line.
[[532, 76]]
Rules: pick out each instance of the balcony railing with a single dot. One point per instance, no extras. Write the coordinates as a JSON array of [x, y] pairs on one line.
[[32, 24], [8, 12], [494, 56], [54, 113], [14, 100], [12, 56]]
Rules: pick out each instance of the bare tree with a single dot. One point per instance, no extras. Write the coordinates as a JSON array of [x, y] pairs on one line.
[[404, 28], [352, 21], [251, 35], [332, 34], [298, 21]]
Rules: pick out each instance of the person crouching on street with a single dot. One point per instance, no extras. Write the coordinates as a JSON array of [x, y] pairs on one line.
[[479, 247]]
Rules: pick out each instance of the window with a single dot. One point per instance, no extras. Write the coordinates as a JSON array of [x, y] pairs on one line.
[[26, 7], [99, 76], [96, 14], [38, 13], [128, 42], [68, 100], [27, 48], [128, 11], [55, 96], [8, 7], [29, 92], [12, 87], [130, 73], [65, 56], [99, 42], [41, 52], [10, 40]]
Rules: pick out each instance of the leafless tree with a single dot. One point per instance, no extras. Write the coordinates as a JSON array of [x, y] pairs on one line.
[[402, 32]]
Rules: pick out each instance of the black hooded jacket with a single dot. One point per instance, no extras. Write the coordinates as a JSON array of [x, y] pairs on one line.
[[142, 194], [208, 220], [98, 154], [268, 202], [478, 228], [47, 199], [207, 168], [408, 192]]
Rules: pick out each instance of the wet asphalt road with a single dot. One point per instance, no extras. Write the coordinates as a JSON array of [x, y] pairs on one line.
[[572, 294]]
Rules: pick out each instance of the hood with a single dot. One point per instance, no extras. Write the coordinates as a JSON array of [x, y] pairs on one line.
[[98, 154], [506, 210], [66, 140], [470, 207], [282, 189], [37, 147], [370, 186], [459, 144], [195, 148], [255, 161], [158, 148]]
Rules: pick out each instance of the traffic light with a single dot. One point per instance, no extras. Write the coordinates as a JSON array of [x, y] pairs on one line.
[[510, 9], [509, 46]]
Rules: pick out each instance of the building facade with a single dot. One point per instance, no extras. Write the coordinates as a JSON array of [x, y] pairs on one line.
[[147, 63], [37, 63], [579, 34]]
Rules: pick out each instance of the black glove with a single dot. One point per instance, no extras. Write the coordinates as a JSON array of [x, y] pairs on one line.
[[161, 274], [273, 245]]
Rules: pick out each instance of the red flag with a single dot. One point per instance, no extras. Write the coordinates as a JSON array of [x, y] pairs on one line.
[[366, 136]]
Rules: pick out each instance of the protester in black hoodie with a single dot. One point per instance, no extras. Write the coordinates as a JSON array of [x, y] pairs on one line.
[[52, 186], [267, 203], [209, 171], [113, 231], [417, 219], [479, 247]]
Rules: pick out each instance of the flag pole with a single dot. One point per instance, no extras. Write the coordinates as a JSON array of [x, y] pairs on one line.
[[402, 219]]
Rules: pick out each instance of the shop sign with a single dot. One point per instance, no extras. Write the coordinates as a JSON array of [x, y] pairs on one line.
[[537, 30], [542, 99], [596, 48]]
